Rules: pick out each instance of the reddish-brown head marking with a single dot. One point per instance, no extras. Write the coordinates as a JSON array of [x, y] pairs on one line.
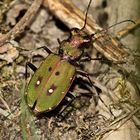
[[38, 81], [76, 41], [51, 89]]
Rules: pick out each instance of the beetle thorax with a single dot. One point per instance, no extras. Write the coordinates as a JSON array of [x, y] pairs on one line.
[[69, 49], [73, 47]]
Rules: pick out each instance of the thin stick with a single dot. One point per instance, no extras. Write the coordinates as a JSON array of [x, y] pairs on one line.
[[115, 125], [20, 26]]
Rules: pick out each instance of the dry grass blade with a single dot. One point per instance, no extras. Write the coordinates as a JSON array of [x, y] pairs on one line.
[[117, 123], [5, 104], [28, 127]]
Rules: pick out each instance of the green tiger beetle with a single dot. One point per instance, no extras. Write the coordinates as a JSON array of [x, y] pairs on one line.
[[52, 80]]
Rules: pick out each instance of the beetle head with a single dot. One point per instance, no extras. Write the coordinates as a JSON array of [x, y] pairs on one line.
[[74, 46]]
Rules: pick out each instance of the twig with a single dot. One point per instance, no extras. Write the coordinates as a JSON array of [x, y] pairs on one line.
[[125, 118], [20, 26], [122, 120]]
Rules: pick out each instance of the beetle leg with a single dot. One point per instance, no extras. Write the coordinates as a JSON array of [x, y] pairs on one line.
[[92, 88], [33, 67], [85, 74], [46, 49], [70, 98], [97, 96], [84, 59], [87, 57], [34, 105], [58, 40]]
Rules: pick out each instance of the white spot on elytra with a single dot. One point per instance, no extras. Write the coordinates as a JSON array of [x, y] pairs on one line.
[[50, 90], [63, 92], [38, 82], [50, 108], [71, 78]]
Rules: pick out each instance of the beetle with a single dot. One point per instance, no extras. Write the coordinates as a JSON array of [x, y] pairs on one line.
[[52, 80]]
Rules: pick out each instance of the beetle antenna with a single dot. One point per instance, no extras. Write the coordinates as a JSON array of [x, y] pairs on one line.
[[127, 20], [86, 15]]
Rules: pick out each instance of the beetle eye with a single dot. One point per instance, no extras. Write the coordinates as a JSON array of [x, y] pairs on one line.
[[84, 45], [74, 31]]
